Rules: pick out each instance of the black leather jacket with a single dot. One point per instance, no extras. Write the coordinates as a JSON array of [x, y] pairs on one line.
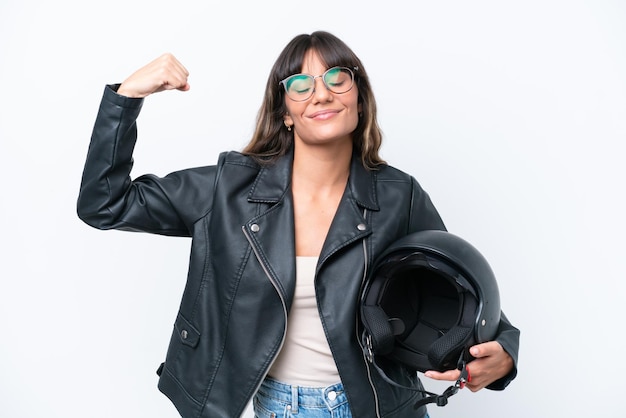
[[241, 278]]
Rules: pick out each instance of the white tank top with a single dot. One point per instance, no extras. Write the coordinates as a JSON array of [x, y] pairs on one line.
[[305, 358]]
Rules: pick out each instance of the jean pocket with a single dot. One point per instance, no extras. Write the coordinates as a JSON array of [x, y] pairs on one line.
[[261, 410]]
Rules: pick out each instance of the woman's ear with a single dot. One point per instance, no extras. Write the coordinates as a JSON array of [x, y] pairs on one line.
[[287, 120]]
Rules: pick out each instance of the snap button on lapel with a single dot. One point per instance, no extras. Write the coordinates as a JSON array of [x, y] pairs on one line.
[[254, 228], [184, 334], [361, 227]]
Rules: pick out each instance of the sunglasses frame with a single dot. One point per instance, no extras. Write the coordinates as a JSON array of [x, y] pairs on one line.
[[322, 76]]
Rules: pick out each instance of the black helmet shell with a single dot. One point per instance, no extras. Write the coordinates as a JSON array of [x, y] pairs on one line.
[[430, 296]]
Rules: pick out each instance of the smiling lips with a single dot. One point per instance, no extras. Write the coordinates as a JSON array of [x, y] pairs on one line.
[[324, 114]]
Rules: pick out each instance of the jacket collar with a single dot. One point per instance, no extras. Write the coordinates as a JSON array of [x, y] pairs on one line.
[[272, 182]]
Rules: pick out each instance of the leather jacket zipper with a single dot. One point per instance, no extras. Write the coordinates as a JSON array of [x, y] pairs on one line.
[[282, 300], [269, 276], [367, 363]]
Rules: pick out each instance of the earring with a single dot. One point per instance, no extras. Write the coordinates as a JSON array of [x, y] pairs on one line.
[[288, 127]]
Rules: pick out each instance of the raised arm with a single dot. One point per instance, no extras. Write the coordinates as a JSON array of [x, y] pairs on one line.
[[108, 198]]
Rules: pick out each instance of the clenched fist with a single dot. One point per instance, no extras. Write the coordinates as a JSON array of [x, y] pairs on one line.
[[164, 73]]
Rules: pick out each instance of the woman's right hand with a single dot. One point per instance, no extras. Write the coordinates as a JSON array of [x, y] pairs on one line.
[[164, 73]]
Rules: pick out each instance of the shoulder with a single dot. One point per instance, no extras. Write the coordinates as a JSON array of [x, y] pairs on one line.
[[389, 176], [394, 185], [229, 161], [236, 158], [237, 168], [390, 173]]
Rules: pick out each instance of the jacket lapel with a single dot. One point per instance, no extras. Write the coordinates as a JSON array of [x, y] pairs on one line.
[[350, 222], [272, 229], [273, 233]]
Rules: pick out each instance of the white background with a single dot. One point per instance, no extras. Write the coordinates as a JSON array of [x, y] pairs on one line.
[[512, 115]]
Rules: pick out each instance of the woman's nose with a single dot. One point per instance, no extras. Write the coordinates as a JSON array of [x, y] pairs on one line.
[[321, 92]]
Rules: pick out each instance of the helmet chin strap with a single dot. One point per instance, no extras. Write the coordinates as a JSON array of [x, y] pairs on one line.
[[439, 400], [442, 400]]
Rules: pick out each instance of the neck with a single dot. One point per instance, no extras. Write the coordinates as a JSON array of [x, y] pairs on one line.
[[322, 167]]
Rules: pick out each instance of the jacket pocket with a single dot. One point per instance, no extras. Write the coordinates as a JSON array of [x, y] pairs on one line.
[[185, 364], [187, 333]]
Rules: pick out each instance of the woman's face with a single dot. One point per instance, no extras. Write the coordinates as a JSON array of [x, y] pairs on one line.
[[326, 116]]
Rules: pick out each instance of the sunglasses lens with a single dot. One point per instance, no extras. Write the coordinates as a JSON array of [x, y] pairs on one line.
[[338, 79], [299, 86]]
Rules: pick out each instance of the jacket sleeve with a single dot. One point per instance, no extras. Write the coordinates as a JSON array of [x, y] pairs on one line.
[[424, 215], [109, 199]]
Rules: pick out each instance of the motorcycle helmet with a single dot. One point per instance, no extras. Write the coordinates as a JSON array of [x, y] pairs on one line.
[[430, 297]]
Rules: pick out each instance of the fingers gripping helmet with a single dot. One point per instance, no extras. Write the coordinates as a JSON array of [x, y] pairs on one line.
[[429, 298]]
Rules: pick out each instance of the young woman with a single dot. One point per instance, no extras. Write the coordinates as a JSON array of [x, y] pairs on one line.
[[283, 234]]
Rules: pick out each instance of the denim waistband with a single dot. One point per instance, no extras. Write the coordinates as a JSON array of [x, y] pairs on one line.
[[331, 396]]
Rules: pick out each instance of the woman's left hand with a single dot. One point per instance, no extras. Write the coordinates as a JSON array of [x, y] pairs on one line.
[[491, 364]]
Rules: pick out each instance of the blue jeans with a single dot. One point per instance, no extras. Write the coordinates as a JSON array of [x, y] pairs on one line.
[[278, 400]]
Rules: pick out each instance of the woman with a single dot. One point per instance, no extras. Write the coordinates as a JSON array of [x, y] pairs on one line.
[[283, 236]]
